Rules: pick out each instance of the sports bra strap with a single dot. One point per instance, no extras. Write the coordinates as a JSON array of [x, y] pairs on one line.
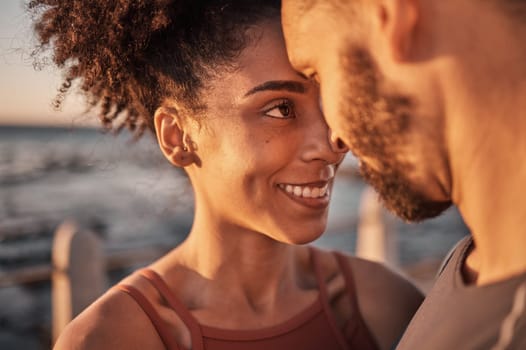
[[322, 286], [182, 312], [356, 328], [349, 280], [325, 298], [157, 322]]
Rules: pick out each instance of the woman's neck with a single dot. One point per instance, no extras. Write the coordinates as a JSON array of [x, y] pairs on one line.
[[241, 264]]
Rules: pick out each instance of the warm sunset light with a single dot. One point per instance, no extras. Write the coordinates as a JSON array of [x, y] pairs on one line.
[[26, 94], [262, 174]]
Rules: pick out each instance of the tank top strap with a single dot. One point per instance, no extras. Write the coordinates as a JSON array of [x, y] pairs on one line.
[[356, 328], [322, 285], [158, 323], [345, 268], [179, 308], [324, 296]]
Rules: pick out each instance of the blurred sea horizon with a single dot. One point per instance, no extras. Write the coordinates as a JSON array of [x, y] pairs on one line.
[[131, 195]]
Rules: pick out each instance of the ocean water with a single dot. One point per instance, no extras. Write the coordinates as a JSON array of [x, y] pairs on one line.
[[122, 186], [128, 193]]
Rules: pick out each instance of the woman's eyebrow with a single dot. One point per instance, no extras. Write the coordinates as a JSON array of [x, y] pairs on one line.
[[278, 85]]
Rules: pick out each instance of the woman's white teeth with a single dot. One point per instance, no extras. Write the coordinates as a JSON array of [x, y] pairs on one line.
[[306, 191], [297, 191]]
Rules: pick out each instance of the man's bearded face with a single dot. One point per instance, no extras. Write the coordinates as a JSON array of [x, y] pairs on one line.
[[375, 127]]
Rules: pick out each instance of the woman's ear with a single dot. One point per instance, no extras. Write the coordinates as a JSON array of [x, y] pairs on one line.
[[172, 138], [399, 20]]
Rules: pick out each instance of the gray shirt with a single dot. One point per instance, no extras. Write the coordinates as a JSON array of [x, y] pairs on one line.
[[459, 316]]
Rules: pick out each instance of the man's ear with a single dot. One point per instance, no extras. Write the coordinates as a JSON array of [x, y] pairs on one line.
[[399, 20], [172, 138]]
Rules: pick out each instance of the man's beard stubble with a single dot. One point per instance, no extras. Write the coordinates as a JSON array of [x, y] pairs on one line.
[[375, 126]]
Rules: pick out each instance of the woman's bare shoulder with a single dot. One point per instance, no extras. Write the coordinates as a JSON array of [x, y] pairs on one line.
[[114, 321], [377, 279], [374, 282], [386, 298], [371, 278]]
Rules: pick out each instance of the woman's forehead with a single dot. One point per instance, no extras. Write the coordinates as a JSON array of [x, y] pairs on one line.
[[265, 59]]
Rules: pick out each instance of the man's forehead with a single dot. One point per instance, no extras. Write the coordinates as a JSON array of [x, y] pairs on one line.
[[294, 15], [299, 6], [295, 11], [294, 20], [305, 29]]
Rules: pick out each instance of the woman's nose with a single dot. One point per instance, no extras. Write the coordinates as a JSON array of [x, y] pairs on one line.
[[336, 143]]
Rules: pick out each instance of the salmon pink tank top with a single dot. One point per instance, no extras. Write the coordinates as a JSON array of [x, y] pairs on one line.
[[314, 328]]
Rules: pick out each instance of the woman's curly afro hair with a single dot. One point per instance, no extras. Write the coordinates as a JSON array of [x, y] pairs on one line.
[[129, 56]]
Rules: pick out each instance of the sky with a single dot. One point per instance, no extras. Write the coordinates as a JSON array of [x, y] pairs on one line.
[[26, 94]]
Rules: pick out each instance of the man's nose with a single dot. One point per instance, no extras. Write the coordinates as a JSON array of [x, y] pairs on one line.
[[336, 143]]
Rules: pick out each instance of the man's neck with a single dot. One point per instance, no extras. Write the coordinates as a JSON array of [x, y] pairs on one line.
[[485, 90], [490, 189]]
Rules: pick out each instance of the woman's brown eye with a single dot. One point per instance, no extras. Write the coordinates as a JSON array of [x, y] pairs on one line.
[[281, 110], [285, 110]]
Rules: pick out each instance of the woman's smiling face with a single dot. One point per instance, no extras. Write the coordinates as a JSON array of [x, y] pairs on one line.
[[265, 160]]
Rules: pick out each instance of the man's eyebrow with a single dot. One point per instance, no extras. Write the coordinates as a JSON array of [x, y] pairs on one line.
[[279, 85]]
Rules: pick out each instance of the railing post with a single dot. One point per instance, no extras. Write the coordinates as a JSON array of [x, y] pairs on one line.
[[79, 274], [376, 239]]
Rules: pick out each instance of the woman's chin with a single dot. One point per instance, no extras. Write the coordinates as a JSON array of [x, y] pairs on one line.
[[303, 237]]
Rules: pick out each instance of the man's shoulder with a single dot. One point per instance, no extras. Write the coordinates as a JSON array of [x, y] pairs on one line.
[[478, 316], [460, 245]]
